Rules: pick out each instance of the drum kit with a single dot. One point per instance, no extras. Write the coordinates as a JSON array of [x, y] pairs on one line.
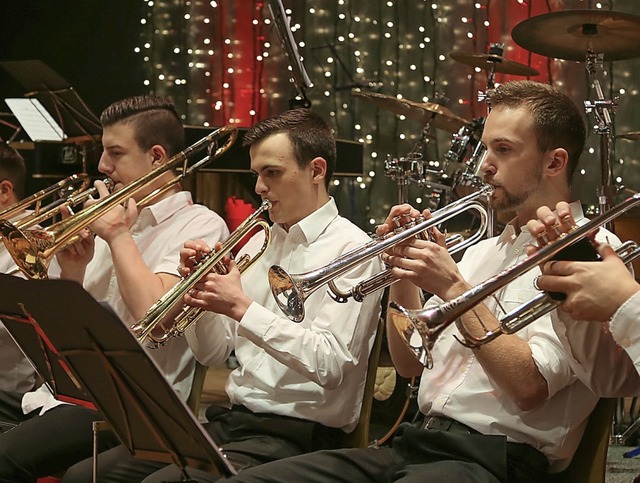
[[590, 36]]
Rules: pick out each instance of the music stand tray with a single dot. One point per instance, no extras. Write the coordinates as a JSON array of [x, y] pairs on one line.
[[125, 384]]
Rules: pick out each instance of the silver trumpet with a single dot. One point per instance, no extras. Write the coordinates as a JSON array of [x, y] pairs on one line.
[[429, 323], [291, 291]]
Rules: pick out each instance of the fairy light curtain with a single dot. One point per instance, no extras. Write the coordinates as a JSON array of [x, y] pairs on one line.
[[222, 62]]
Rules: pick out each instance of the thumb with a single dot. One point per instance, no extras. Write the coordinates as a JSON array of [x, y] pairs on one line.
[[606, 251]]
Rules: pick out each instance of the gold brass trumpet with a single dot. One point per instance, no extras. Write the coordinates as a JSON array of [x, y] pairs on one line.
[[161, 312], [430, 322], [73, 184], [290, 291], [32, 250]]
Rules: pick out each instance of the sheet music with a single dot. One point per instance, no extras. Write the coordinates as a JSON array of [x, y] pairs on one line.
[[35, 119]]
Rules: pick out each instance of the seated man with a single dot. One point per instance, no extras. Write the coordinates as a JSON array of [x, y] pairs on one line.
[[507, 411], [16, 373], [129, 265], [603, 293]]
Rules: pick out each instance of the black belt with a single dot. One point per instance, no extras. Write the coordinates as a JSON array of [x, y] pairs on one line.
[[443, 423]]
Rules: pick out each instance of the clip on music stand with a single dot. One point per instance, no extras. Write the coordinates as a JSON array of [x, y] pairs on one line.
[[58, 97], [124, 382]]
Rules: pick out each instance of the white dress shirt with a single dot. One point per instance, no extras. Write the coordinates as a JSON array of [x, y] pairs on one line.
[[159, 233], [314, 370], [624, 327], [594, 355], [458, 387], [16, 372]]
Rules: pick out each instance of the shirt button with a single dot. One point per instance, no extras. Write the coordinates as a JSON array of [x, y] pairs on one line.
[[516, 251], [625, 343]]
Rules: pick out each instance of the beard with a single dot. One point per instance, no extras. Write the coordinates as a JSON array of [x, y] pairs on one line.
[[511, 200]]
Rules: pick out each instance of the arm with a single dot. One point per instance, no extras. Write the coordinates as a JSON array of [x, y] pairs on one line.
[[507, 360], [331, 340], [595, 292]]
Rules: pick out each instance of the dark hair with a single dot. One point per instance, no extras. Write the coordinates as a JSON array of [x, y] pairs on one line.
[[12, 168], [556, 118], [310, 136], [154, 120]]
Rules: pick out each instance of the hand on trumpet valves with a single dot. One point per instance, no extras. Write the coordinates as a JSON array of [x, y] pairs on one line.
[[398, 216], [191, 254], [550, 226], [221, 293]]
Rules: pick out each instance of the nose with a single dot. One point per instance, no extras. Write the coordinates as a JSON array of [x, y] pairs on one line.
[[261, 188], [103, 165], [487, 168]]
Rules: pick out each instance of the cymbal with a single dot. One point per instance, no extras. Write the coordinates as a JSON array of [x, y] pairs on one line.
[[631, 135], [493, 61], [439, 116], [570, 34]]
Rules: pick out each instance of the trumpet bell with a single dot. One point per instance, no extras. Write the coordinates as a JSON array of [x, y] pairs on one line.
[[288, 294]]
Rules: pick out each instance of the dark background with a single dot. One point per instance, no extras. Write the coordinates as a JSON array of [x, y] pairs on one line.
[[89, 43]]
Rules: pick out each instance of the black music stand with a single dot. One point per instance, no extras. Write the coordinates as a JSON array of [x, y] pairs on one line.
[[58, 97], [125, 384]]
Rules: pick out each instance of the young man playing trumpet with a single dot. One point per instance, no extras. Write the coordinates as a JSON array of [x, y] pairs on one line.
[[509, 410], [128, 265], [299, 387], [605, 294]]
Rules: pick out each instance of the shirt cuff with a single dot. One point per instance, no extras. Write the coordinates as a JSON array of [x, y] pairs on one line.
[[625, 326], [255, 323]]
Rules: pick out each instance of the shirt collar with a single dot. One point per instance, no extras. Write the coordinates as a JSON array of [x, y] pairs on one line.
[[165, 208], [312, 226]]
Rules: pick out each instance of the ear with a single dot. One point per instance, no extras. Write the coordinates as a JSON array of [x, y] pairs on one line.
[[557, 162], [158, 154], [319, 169], [6, 190]]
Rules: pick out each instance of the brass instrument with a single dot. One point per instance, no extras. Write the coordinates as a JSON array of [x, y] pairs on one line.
[[74, 183], [161, 311], [430, 322], [32, 250], [290, 291]]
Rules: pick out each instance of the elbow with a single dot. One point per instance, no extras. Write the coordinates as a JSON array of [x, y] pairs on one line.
[[529, 399]]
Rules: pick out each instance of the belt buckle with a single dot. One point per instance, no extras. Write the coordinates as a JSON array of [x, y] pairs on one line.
[[439, 424]]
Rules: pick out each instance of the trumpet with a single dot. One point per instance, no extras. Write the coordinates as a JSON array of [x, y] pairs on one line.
[[429, 323], [32, 250], [73, 184], [160, 312], [290, 291]]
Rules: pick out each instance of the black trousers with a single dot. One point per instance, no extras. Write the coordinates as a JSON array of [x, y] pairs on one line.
[[247, 440], [43, 445], [416, 456]]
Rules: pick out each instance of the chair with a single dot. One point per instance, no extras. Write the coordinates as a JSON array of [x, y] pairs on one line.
[[359, 437], [590, 460], [199, 376]]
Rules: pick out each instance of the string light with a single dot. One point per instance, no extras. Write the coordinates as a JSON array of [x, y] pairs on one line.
[[223, 65]]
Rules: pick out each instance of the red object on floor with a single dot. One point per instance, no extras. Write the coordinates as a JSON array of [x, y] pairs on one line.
[[48, 479]]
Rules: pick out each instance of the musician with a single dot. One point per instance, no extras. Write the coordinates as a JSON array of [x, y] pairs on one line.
[[298, 387], [129, 265], [511, 409], [16, 373], [604, 293]]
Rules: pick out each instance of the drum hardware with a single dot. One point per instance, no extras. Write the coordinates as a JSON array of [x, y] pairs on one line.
[[426, 112], [630, 136], [591, 36]]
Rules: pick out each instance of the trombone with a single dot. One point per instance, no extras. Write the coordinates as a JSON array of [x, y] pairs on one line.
[[73, 184], [430, 322], [32, 250], [290, 291], [160, 312]]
